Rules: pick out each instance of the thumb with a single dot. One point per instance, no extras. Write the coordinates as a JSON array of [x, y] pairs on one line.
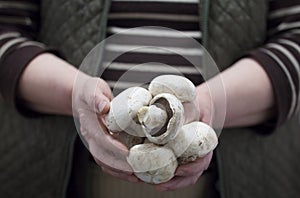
[[102, 104]]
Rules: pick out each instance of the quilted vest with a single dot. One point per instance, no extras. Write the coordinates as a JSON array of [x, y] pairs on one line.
[[37, 152]]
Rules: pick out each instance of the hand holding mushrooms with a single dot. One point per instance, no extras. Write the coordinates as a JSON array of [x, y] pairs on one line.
[[161, 139], [90, 103]]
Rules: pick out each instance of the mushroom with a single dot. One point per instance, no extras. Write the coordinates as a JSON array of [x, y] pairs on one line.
[[194, 140], [153, 117], [170, 113], [123, 111], [151, 163], [160, 119], [179, 86]]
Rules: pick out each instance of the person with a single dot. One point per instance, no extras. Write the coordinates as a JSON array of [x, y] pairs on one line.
[[261, 86]]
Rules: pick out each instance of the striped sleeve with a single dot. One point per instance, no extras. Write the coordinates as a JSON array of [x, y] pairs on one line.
[[18, 28], [280, 56]]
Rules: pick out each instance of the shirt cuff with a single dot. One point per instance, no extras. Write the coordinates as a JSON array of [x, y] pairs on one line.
[[281, 87], [12, 66]]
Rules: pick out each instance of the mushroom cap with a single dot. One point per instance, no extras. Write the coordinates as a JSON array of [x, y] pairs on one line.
[[152, 163], [194, 140], [111, 123], [174, 122], [179, 86], [181, 142], [123, 111]]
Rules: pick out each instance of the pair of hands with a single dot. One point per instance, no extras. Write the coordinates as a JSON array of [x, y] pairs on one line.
[[91, 97]]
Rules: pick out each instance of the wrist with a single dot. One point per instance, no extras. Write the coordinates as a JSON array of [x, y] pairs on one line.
[[46, 85], [212, 100]]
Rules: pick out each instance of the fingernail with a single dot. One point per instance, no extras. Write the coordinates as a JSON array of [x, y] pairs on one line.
[[101, 106]]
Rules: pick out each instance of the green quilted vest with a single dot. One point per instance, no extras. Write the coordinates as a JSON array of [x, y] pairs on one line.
[[36, 153]]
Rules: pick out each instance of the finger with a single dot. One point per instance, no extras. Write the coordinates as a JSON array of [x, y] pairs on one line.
[[95, 102], [120, 175], [84, 133], [104, 88], [194, 167], [113, 158], [100, 97], [103, 165], [83, 130], [110, 155], [103, 146], [101, 120], [101, 103], [89, 122], [179, 182]]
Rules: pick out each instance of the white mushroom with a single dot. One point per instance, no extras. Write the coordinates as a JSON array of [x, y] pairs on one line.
[[161, 120], [151, 163], [153, 118], [164, 131], [123, 111], [194, 140], [179, 86]]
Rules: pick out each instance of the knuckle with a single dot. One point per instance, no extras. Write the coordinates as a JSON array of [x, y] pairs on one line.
[[94, 98], [83, 122]]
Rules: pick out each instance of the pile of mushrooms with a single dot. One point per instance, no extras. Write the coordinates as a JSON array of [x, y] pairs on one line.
[[152, 124]]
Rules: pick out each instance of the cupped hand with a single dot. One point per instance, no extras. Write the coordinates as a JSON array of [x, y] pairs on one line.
[[201, 109], [91, 99], [187, 174]]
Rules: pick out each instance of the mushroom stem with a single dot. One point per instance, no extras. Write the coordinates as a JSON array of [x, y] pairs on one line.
[[153, 118]]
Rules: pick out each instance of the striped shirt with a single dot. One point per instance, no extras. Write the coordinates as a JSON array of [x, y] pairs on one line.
[[18, 28], [279, 56], [161, 45]]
